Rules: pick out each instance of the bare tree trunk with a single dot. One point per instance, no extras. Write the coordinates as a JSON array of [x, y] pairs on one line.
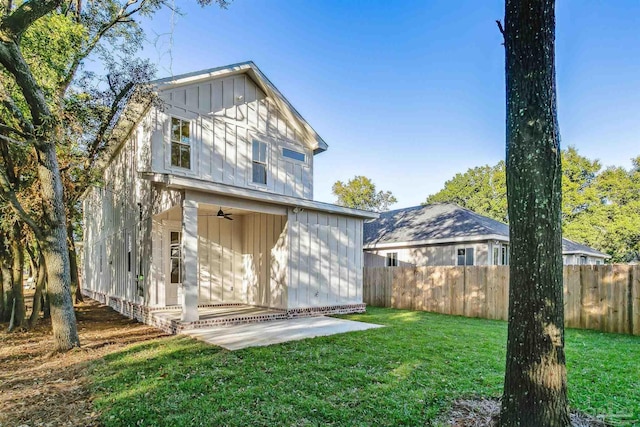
[[56, 252], [17, 254], [535, 388], [2, 299], [6, 290], [37, 296], [76, 292]]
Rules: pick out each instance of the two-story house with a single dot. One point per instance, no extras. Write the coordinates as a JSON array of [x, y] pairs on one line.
[[207, 200]]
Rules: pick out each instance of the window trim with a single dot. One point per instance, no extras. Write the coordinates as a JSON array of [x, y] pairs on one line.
[[392, 259], [265, 164], [465, 253], [180, 143], [293, 153]]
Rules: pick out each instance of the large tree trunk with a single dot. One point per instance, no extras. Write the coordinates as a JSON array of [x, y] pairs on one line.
[[37, 296], [55, 251], [535, 390], [19, 313]]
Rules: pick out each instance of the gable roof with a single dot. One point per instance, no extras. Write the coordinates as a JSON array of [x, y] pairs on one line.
[[248, 67], [444, 223]]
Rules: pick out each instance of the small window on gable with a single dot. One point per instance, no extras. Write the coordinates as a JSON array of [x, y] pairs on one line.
[[259, 158], [292, 154], [180, 143], [392, 259]]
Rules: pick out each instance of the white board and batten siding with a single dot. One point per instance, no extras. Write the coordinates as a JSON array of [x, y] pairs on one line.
[[325, 261], [265, 260], [114, 228], [226, 115]]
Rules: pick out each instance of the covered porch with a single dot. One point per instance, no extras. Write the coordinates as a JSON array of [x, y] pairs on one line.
[[220, 258], [219, 245]]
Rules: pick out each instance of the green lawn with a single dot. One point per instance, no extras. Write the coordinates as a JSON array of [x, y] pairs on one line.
[[404, 374]]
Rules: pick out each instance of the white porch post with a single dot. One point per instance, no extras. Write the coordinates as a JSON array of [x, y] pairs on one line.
[[190, 257]]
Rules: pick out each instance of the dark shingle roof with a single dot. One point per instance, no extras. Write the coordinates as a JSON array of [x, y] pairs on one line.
[[443, 221]]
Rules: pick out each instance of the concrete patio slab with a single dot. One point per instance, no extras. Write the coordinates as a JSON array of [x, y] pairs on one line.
[[236, 337]]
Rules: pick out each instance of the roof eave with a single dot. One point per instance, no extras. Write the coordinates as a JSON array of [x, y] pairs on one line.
[[185, 183], [317, 144]]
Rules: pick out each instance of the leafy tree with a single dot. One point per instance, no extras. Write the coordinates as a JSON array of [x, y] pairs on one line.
[[535, 385], [63, 116], [598, 208], [482, 189], [360, 193]]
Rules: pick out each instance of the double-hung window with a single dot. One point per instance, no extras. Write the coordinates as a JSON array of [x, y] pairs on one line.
[[180, 143], [465, 256], [259, 160], [392, 259]]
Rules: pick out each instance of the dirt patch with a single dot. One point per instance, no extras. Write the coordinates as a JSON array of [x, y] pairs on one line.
[[38, 388], [485, 412]]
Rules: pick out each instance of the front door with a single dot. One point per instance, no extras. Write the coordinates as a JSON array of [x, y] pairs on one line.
[[174, 267]]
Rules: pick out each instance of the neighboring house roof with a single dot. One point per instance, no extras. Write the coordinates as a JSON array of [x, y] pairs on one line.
[[443, 223]]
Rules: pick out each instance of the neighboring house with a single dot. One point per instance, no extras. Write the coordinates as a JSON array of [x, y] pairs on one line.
[[207, 200], [446, 234]]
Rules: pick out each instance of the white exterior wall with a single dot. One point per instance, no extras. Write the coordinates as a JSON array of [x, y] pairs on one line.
[[265, 260], [437, 255], [325, 259], [220, 253], [222, 133], [574, 259], [116, 229]]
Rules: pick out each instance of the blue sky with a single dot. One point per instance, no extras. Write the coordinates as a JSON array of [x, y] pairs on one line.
[[411, 93]]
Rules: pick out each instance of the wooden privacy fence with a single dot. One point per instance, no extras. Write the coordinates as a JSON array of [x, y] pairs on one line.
[[600, 297]]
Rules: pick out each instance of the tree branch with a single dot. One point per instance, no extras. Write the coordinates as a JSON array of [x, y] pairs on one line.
[[7, 194], [500, 28], [122, 16], [11, 58], [26, 14], [16, 112]]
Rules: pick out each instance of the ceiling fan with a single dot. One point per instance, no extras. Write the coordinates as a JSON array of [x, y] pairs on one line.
[[221, 214]]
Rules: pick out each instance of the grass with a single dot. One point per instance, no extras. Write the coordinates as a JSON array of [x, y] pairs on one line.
[[404, 374]]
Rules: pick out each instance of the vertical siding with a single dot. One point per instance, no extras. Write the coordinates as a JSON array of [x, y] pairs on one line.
[[264, 266], [223, 127], [117, 233], [325, 259], [219, 260]]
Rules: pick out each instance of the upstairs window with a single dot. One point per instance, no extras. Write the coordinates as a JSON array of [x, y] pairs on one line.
[[465, 256], [292, 154], [392, 259], [259, 158], [180, 143]]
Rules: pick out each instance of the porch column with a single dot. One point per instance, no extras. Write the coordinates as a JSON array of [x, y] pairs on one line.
[[190, 257]]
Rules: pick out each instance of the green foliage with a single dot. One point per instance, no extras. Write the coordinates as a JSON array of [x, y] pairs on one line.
[[600, 208], [360, 193], [406, 373], [482, 189], [49, 47]]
